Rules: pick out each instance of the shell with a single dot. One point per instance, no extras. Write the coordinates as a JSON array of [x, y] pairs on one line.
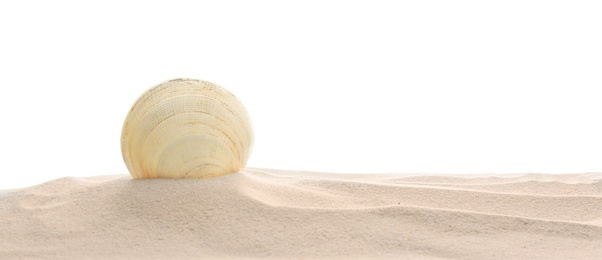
[[186, 128]]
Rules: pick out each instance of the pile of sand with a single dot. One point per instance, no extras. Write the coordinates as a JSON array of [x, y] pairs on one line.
[[284, 214]]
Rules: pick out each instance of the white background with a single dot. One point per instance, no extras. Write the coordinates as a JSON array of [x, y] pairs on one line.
[[349, 86]]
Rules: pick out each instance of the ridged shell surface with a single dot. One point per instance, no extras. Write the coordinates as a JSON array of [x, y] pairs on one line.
[[186, 128]]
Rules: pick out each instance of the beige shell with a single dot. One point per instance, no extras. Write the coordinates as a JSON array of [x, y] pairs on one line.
[[186, 128]]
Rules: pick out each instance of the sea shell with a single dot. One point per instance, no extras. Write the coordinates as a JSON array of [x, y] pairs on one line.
[[186, 128]]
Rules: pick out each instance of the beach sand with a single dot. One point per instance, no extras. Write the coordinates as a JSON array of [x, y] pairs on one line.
[[261, 213]]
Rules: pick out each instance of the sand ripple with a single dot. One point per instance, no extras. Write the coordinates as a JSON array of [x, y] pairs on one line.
[[264, 213]]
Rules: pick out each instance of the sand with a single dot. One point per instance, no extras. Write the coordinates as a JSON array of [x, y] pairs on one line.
[[261, 213]]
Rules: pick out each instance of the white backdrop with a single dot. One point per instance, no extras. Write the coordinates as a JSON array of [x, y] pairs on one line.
[[341, 86]]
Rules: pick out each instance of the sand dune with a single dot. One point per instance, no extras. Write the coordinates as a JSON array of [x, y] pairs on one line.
[[262, 213]]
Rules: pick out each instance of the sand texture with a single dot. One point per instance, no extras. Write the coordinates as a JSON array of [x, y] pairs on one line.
[[262, 213]]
